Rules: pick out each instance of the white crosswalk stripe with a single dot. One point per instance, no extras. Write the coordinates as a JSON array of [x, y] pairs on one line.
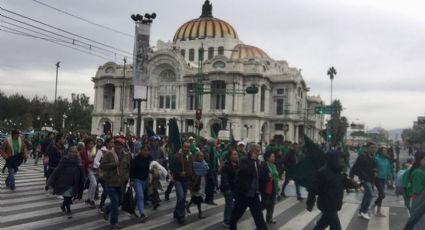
[[30, 208]]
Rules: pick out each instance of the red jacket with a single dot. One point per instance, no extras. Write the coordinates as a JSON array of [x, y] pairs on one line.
[[85, 161]]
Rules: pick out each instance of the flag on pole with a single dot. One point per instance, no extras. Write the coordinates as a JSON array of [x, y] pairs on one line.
[[149, 131], [303, 172]]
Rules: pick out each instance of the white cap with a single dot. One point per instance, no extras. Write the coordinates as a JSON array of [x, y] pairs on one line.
[[241, 143]]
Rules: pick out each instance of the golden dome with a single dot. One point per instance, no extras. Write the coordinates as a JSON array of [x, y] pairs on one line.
[[205, 26], [246, 51]]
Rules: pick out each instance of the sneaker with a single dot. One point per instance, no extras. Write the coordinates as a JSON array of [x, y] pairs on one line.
[[101, 210], [200, 216], [365, 216], [379, 214], [142, 218], [60, 197], [91, 204], [69, 215], [115, 226], [225, 225], [271, 222]]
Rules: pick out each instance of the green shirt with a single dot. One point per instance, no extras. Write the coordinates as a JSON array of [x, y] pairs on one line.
[[418, 181], [275, 176], [15, 145]]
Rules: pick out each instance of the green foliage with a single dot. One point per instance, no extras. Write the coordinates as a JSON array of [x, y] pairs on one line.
[[24, 112], [337, 125], [415, 135]]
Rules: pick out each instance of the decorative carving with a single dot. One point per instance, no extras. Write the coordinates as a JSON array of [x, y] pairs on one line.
[[110, 69]]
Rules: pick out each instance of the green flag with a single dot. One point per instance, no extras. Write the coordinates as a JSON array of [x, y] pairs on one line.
[[303, 172], [417, 211], [174, 139], [149, 131]]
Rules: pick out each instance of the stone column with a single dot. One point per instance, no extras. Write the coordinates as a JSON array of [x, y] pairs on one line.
[[154, 125], [99, 100], [297, 133], [117, 100], [167, 127], [142, 127]]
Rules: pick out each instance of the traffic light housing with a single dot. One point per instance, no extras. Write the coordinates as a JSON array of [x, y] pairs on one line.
[[198, 114]]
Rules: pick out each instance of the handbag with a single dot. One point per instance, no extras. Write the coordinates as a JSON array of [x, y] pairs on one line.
[[128, 202], [268, 189]]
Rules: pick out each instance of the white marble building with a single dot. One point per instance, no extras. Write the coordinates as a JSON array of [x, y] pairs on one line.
[[280, 109]]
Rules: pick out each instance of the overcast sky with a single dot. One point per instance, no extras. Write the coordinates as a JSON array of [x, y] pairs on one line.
[[376, 46]]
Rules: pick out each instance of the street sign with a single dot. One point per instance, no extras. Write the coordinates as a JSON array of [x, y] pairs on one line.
[[325, 110]]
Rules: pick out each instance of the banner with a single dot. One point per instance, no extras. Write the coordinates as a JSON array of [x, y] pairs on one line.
[[140, 60]]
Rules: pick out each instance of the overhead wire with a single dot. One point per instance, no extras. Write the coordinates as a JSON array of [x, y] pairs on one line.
[[62, 30], [21, 33], [83, 19]]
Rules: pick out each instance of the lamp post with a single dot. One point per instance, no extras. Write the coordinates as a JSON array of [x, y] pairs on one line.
[[122, 96], [146, 20], [38, 122], [51, 122], [63, 120], [56, 84]]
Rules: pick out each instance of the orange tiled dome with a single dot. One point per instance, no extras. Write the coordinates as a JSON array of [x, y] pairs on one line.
[[246, 51]]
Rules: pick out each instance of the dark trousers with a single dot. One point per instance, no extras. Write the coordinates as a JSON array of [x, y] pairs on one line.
[[380, 185], [115, 195], [328, 219], [169, 188], [67, 201], [253, 203], [210, 187], [104, 194], [268, 203]]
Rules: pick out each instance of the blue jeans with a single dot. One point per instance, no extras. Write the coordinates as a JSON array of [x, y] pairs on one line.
[[367, 197], [115, 195], [181, 191], [139, 187], [229, 201], [10, 179], [380, 185]]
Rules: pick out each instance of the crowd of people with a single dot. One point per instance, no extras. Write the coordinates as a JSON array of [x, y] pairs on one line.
[[247, 175]]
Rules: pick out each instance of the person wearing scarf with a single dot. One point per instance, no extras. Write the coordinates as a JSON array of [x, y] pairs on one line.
[[269, 187]]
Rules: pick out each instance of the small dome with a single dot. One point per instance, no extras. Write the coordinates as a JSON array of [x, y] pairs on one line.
[[206, 26], [242, 51]]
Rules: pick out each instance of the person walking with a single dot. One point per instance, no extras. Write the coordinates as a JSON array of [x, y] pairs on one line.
[[200, 169], [115, 167], [247, 190], [14, 152], [109, 144], [87, 160], [384, 173], [290, 160], [139, 177], [55, 153], [182, 172], [227, 186], [366, 169], [328, 186], [212, 158], [67, 180], [269, 185], [415, 177]]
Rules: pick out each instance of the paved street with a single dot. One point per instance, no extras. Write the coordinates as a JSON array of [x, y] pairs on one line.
[[29, 208]]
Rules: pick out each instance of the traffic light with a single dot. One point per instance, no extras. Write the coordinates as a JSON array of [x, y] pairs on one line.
[[198, 114], [329, 135]]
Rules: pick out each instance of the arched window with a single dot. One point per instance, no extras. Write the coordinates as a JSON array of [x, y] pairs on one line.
[[218, 95], [108, 97], [210, 52], [201, 54], [183, 53], [192, 55], [219, 64], [220, 50], [167, 76]]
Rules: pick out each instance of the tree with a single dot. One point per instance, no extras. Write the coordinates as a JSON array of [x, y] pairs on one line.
[[337, 125]]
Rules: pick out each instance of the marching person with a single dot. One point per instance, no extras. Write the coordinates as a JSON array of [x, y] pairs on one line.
[[87, 162], [200, 169], [14, 152], [211, 177], [227, 186], [115, 167], [182, 172], [139, 177], [109, 145], [415, 178], [384, 173], [67, 180], [55, 153], [247, 190], [366, 169], [269, 185], [290, 160], [329, 185]]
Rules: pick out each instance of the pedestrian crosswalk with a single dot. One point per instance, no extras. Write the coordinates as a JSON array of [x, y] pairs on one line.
[[28, 207]]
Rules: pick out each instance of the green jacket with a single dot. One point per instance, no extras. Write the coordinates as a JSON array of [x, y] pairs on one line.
[[115, 172]]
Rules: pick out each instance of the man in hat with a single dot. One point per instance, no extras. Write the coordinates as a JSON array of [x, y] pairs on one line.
[[14, 152], [241, 149], [115, 167], [328, 185]]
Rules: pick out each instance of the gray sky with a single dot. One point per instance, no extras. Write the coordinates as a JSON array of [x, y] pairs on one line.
[[376, 46]]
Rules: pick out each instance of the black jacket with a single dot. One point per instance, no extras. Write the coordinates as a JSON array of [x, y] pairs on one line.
[[67, 174], [139, 167], [247, 173], [365, 168], [329, 186], [228, 176], [55, 153]]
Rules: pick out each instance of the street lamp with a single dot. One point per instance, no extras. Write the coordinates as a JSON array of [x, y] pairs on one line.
[[63, 120], [38, 121]]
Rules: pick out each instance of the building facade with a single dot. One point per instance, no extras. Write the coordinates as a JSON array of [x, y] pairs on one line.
[[206, 53]]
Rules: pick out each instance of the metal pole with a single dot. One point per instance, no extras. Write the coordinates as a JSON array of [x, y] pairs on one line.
[[139, 117], [56, 84], [122, 97], [331, 90]]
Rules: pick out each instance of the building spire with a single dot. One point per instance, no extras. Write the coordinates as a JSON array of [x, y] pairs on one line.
[[207, 10]]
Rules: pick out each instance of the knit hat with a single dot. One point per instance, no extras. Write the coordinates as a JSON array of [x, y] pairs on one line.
[[120, 140]]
